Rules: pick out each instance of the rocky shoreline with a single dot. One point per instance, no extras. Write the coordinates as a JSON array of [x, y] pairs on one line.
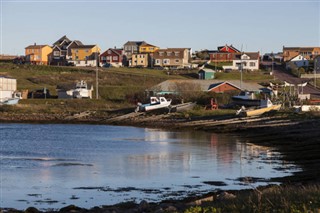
[[297, 139]]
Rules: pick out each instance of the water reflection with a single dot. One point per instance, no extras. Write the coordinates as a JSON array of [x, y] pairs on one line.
[[95, 162]]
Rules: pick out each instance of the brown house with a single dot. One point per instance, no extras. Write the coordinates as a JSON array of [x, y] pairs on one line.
[[308, 52], [172, 57]]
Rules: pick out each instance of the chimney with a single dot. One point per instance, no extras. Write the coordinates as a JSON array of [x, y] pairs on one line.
[[35, 43], [115, 47]]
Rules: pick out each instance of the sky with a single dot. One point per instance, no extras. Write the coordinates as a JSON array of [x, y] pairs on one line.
[[249, 25]]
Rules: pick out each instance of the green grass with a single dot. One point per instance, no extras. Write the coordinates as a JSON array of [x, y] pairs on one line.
[[246, 76]]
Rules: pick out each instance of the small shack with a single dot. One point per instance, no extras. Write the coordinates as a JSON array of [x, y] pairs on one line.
[[206, 74], [8, 87]]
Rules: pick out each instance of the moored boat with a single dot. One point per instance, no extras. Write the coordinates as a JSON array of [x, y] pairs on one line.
[[246, 98], [155, 103], [266, 106]]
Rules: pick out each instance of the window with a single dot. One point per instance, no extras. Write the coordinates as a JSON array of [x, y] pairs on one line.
[[161, 53], [141, 62], [77, 57], [176, 53], [168, 53], [166, 61], [115, 58], [109, 51], [103, 58], [252, 64], [177, 60], [56, 53], [157, 61], [108, 58]]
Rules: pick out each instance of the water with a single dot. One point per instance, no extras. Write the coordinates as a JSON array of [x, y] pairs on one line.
[[51, 166]]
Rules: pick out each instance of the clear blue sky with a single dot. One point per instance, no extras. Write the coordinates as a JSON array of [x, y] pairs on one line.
[[258, 25]]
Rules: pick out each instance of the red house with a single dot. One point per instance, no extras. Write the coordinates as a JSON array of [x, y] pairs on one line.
[[113, 57], [224, 54], [222, 87]]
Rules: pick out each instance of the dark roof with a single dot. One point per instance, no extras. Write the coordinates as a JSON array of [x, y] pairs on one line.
[[116, 51], [138, 43], [63, 38], [157, 55], [252, 55], [299, 49], [84, 46]]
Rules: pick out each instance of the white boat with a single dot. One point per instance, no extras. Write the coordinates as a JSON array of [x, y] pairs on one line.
[[9, 101], [246, 98], [81, 90], [266, 106], [307, 108], [155, 103]]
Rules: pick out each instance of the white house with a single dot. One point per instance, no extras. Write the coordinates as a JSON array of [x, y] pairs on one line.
[[249, 60], [298, 61]]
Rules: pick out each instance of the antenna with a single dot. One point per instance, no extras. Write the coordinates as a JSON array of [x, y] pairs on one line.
[[241, 65]]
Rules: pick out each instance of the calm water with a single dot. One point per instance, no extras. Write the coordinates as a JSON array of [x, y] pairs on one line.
[[51, 166]]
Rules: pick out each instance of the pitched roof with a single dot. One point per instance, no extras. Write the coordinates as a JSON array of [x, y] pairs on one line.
[[116, 51], [146, 44], [36, 46], [135, 43], [252, 55], [231, 47], [84, 47], [299, 49], [62, 39], [206, 85], [172, 52]]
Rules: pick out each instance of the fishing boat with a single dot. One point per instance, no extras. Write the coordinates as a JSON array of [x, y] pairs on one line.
[[155, 103], [9, 101], [266, 106], [246, 98]]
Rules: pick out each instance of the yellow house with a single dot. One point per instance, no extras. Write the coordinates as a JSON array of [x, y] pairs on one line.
[[148, 48], [38, 54], [139, 60], [85, 55]]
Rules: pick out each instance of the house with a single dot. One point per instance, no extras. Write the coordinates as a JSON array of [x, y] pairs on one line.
[[147, 48], [308, 52], [223, 54], [223, 87], [61, 50], [132, 47], [140, 60], [206, 74], [112, 56], [85, 55], [172, 57], [297, 62], [38, 54], [245, 61], [220, 86]]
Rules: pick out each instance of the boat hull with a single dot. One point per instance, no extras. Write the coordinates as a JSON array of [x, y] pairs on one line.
[[11, 101], [246, 102], [256, 112]]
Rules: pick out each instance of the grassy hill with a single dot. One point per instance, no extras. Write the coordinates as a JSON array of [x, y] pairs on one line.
[[117, 86]]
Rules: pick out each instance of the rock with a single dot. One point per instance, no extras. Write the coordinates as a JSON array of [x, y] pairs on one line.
[[70, 208], [31, 210], [226, 196], [144, 205]]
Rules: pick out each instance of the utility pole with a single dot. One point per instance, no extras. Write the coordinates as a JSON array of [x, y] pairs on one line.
[[97, 77], [315, 70]]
